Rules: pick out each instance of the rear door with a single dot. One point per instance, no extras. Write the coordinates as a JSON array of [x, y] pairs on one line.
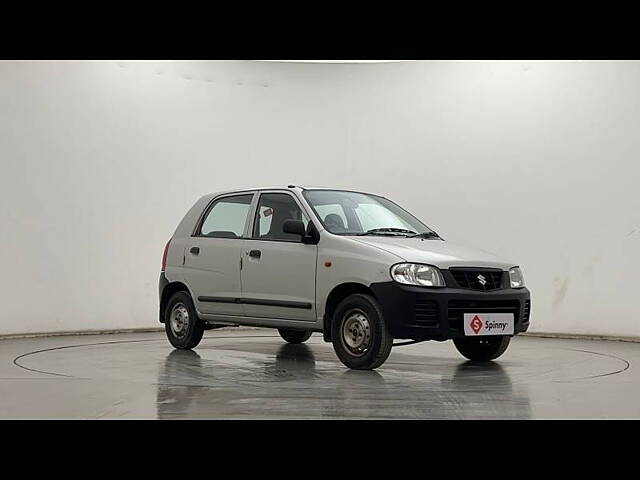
[[212, 258], [278, 270]]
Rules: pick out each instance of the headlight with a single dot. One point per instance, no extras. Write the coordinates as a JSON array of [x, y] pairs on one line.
[[515, 275], [417, 274]]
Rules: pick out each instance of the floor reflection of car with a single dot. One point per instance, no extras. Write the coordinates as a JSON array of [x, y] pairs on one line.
[[292, 383], [191, 386], [291, 360], [464, 390], [485, 390], [175, 393], [357, 394]]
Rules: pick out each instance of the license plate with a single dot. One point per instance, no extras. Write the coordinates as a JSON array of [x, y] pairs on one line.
[[488, 324]]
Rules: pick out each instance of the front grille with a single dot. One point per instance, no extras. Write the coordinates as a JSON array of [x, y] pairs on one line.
[[426, 313], [457, 309], [527, 311], [477, 279]]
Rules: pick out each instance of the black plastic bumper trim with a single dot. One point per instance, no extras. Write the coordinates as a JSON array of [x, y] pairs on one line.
[[403, 306], [162, 284]]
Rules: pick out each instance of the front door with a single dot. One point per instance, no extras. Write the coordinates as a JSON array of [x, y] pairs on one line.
[[278, 270], [212, 258]]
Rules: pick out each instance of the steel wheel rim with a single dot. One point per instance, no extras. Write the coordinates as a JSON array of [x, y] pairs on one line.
[[179, 320], [356, 333]]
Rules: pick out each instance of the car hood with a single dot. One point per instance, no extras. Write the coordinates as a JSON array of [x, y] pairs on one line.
[[440, 253]]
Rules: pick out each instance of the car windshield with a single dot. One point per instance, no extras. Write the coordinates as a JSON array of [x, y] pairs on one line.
[[353, 213]]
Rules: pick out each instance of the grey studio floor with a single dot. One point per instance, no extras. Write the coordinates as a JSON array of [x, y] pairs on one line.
[[251, 373]]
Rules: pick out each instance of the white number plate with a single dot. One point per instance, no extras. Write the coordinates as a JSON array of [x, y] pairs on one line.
[[488, 324]]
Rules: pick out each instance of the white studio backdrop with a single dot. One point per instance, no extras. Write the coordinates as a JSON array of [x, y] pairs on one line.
[[536, 161]]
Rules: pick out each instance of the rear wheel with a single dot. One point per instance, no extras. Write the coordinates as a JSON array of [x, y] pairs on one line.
[[181, 323], [481, 349], [359, 333], [295, 336]]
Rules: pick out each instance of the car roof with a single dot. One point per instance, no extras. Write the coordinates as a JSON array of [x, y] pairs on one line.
[[287, 187]]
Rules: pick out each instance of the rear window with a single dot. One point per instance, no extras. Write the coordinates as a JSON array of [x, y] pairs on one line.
[[227, 217]]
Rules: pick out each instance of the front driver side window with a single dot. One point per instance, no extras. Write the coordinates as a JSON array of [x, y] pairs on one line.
[[227, 217], [273, 210]]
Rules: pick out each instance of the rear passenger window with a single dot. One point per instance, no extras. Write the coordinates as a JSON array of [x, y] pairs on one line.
[[227, 217]]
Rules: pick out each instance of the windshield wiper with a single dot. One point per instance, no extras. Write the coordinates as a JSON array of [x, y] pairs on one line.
[[388, 230], [425, 235]]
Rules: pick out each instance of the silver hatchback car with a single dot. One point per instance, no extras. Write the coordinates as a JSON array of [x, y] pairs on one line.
[[353, 266]]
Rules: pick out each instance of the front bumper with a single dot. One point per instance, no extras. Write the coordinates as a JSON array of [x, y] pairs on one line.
[[436, 314]]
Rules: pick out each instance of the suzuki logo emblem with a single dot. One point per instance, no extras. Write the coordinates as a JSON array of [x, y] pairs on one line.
[[481, 280]]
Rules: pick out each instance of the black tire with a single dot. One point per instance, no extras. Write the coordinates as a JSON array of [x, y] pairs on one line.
[[482, 349], [294, 336], [192, 328], [370, 353]]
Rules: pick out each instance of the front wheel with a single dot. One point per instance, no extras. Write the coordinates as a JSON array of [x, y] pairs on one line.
[[184, 328], [482, 349], [359, 333]]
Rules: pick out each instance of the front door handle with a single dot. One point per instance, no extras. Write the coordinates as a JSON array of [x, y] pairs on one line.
[[194, 251], [255, 253]]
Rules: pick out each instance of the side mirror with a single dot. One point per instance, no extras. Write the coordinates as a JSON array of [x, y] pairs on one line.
[[295, 227]]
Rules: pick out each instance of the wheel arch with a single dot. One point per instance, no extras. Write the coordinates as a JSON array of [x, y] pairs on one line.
[[337, 295], [167, 292]]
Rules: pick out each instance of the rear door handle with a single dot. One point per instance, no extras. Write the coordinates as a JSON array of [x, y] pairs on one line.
[[255, 253], [194, 250]]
